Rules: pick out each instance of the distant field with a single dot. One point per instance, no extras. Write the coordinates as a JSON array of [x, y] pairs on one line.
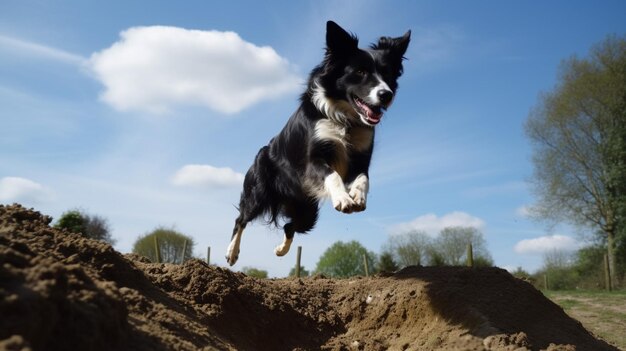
[[602, 313]]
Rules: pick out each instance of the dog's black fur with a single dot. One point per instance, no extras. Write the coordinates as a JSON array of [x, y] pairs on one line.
[[326, 146]]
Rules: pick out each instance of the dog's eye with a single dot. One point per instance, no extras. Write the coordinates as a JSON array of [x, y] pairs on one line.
[[361, 72]]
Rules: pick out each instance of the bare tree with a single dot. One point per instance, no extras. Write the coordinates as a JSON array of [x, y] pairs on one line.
[[174, 247], [452, 243], [410, 248]]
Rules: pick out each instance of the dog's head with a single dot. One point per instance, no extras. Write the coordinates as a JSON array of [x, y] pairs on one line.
[[356, 84]]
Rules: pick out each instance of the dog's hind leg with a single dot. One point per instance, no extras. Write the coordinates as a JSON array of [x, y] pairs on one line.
[[250, 207], [282, 249], [303, 218], [232, 253]]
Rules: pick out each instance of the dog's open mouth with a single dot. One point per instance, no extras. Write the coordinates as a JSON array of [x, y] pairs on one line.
[[372, 114]]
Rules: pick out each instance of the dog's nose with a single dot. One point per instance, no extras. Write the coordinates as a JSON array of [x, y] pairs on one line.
[[385, 96]]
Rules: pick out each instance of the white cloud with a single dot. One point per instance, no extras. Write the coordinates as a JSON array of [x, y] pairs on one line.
[[546, 243], [206, 176], [155, 68], [432, 225], [39, 50], [22, 190]]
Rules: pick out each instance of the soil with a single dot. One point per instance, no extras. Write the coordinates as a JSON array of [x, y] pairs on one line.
[[61, 291]]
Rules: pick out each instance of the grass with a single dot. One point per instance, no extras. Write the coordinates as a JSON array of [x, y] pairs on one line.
[[602, 313]]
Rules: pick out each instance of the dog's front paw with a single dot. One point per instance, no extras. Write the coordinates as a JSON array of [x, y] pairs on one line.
[[343, 203], [359, 198]]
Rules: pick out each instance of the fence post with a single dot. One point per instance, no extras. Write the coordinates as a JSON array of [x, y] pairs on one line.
[[470, 255], [298, 256], [607, 272], [208, 255], [366, 265], [545, 281], [182, 260], [157, 250]]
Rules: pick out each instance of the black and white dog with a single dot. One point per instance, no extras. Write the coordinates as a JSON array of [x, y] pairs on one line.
[[325, 148]]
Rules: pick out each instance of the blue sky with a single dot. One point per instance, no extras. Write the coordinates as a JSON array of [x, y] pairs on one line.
[[147, 113]]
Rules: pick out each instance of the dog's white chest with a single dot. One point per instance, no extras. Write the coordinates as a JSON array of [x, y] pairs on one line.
[[356, 138], [345, 140], [328, 130]]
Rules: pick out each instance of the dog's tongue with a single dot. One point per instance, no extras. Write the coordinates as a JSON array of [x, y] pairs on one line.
[[373, 114]]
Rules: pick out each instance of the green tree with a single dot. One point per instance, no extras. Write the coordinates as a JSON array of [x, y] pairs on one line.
[[91, 226], [520, 273], [303, 272], [410, 248], [171, 245], [435, 257], [343, 260], [71, 220], [254, 272], [386, 262], [578, 135], [589, 264], [559, 269], [483, 261], [451, 245]]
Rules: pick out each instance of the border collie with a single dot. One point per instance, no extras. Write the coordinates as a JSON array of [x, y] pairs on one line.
[[325, 148]]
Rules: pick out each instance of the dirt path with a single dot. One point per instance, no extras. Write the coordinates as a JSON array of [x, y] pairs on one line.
[[602, 313], [60, 291]]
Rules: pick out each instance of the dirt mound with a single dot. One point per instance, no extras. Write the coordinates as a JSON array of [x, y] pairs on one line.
[[60, 291]]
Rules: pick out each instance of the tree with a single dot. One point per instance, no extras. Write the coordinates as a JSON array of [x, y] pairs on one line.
[[589, 264], [520, 273], [578, 135], [386, 262], [254, 272], [91, 226], [343, 260], [559, 269], [171, 246], [409, 249], [451, 245], [557, 259], [71, 220], [303, 272]]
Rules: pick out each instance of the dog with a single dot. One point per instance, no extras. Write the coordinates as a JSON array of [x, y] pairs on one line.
[[324, 150]]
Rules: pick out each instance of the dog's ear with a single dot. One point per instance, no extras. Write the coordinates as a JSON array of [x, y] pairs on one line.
[[396, 46], [338, 41]]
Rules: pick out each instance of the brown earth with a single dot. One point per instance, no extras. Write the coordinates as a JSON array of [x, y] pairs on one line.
[[60, 291]]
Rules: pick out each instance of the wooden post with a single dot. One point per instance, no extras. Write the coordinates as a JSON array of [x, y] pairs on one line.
[[182, 260], [208, 255], [470, 255], [157, 251], [607, 273], [298, 256], [545, 281], [366, 265]]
